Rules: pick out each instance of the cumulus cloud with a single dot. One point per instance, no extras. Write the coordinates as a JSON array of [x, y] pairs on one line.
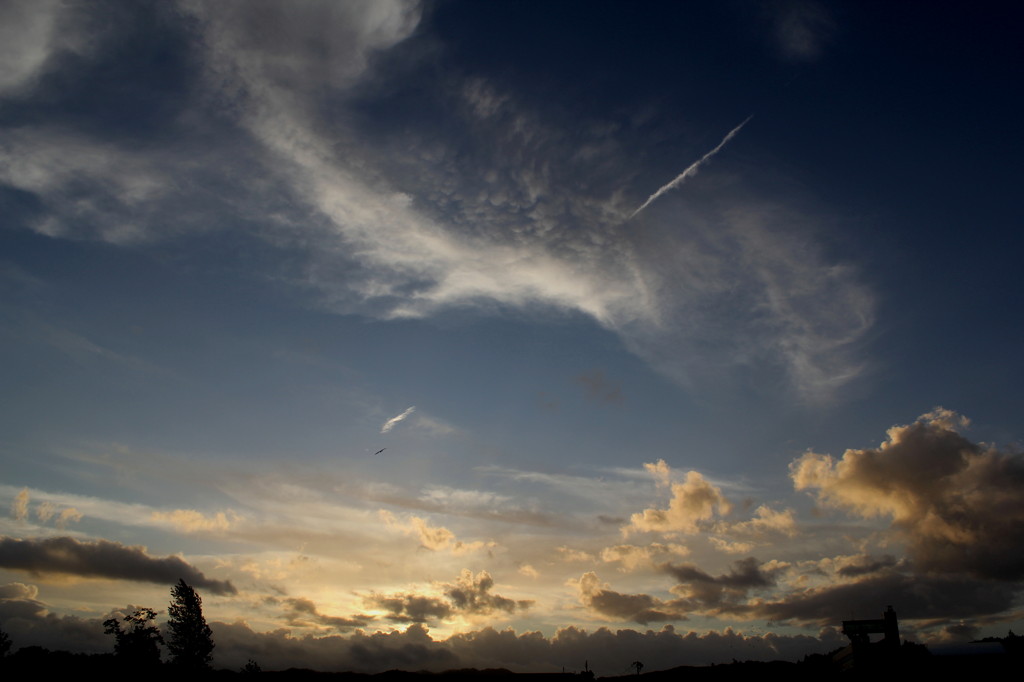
[[410, 608], [472, 594], [18, 591], [435, 538], [632, 557], [955, 503], [730, 546], [102, 559], [765, 523], [303, 612], [391, 423], [711, 592], [693, 502], [660, 470], [638, 608], [469, 595]]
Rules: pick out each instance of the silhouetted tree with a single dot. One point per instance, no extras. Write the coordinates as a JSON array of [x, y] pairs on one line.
[[191, 640], [251, 668], [5, 645], [638, 665], [138, 643]]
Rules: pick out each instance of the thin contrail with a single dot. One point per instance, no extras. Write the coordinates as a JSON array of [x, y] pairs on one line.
[[692, 170]]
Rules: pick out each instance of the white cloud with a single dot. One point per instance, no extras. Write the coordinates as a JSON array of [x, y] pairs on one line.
[[391, 423], [693, 503]]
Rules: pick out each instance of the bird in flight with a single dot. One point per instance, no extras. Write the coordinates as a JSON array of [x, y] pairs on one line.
[[380, 451]]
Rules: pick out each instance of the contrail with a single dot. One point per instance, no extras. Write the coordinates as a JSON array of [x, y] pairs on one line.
[[692, 170], [390, 424]]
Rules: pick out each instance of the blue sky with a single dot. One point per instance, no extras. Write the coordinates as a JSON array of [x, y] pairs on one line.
[[699, 318]]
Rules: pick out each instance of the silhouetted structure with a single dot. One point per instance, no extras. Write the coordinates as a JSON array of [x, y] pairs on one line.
[[862, 654], [859, 631]]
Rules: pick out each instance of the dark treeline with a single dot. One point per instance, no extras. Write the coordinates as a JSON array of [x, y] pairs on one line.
[[138, 651]]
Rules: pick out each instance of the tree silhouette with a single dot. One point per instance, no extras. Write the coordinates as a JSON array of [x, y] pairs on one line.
[[5, 645], [638, 665], [191, 640], [138, 643]]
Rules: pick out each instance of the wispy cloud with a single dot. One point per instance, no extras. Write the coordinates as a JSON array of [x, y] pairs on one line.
[[802, 28], [692, 169], [529, 220], [390, 424]]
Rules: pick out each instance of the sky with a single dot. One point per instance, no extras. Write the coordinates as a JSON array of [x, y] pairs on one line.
[[502, 334]]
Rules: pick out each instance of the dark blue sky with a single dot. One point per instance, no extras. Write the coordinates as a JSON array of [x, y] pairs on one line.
[[666, 313]]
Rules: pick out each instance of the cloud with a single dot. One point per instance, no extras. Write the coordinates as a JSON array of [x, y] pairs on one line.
[[730, 546], [710, 593], [693, 502], [18, 591], [102, 559], [415, 649], [599, 388], [417, 229], [19, 507], [632, 557], [661, 472], [529, 571], [955, 503], [469, 595], [304, 613], [639, 608], [390, 424], [916, 596], [472, 595], [192, 521], [692, 169], [66, 516], [865, 565], [45, 511], [417, 219], [30, 622], [312, 45], [802, 27], [31, 31], [766, 521], [410, 608], [570, 555], [435, 538]]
